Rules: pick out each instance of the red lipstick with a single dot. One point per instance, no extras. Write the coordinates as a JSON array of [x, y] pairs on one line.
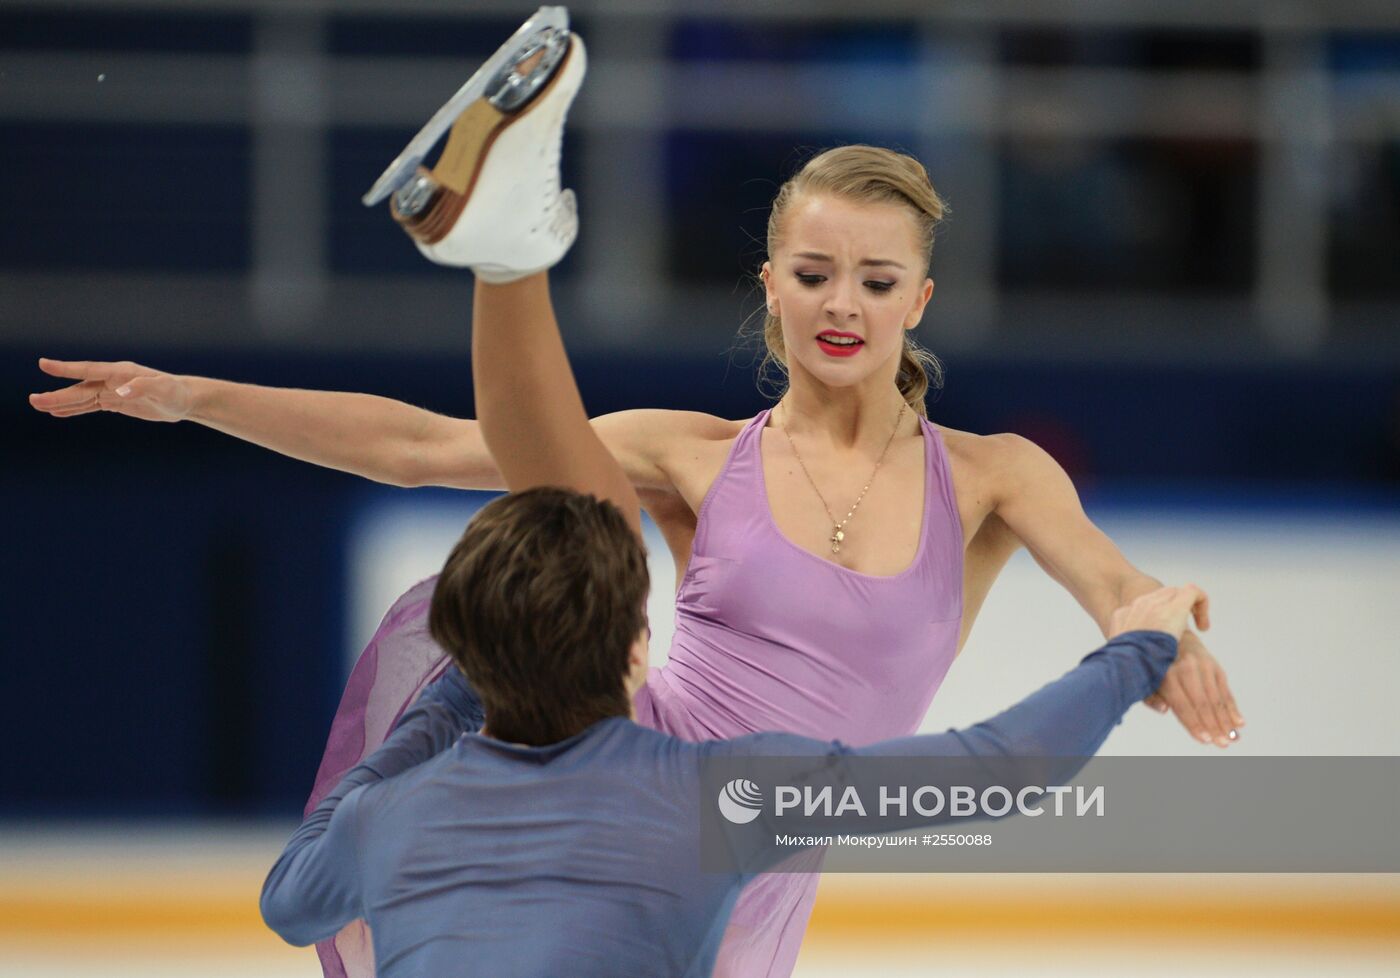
[[830, 342]]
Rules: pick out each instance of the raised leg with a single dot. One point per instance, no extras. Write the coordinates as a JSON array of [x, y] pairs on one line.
[[527, 401]]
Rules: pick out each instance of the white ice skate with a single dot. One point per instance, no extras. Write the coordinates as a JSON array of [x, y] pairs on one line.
[[493, 202]]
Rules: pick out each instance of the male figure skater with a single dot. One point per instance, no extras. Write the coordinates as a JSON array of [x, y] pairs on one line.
[[561, 837]]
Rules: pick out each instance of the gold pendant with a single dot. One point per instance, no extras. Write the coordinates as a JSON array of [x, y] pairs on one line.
[[837, 535]]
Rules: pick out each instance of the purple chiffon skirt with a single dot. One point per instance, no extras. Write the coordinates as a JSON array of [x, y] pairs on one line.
[[397, 664]]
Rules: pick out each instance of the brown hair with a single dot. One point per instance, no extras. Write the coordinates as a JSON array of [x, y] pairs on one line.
[[867, 174], [539, 604]]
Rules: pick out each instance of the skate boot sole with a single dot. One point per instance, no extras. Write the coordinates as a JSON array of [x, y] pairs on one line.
[[429, 205], [485, 82]]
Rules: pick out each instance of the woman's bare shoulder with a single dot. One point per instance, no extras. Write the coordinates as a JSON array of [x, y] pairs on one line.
[[1001, 464], [966, 444], [663, 430], [986, 454], [658, 448]]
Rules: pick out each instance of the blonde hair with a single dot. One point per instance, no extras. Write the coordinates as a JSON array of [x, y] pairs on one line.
[[866, 174]]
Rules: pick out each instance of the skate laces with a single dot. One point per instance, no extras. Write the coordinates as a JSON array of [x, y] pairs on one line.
[[561, 209], [563, 216]]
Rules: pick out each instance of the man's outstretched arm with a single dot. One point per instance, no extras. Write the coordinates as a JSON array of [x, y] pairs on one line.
[[1044, 739]]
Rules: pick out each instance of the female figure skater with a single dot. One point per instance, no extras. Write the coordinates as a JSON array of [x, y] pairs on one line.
[[832, 552]]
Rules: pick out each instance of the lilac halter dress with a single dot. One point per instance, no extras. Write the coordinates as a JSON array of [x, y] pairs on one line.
[[768, 637]]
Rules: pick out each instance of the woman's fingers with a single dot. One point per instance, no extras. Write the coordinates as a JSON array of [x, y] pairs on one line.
[[122, 388], [1155, 702], [1236, 717], [77, 369], [1192, 692], [1224, 725], [1174, 691], [66, 397]]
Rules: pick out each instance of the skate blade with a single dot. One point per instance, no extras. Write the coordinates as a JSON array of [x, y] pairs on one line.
[[429, 205], [524, 43]]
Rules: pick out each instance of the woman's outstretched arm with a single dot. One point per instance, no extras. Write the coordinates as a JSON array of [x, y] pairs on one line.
[[363, 434], [373, 437], [1039, 504]]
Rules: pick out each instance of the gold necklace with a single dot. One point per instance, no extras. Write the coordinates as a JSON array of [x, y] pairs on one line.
[[838, 530]]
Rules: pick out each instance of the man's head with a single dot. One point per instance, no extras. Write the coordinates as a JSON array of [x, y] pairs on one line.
[[542, 604]]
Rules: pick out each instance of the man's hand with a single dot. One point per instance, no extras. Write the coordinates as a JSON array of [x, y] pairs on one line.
[[1167, 609], [1195, 688], [122, 388]]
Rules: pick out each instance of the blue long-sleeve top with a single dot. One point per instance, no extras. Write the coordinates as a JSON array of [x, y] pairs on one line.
[[468, 855]]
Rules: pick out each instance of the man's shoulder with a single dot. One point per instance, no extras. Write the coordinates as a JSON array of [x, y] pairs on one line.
[[769, 745], [630, 732], [379, 796]]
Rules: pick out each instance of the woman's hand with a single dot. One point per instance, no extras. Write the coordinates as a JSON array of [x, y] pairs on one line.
[[1197, 691], [1195, 688], [122, 388]]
